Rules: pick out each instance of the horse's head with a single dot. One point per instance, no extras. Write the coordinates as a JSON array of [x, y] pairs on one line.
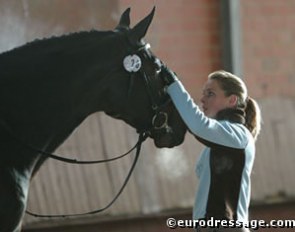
[[139, 97]]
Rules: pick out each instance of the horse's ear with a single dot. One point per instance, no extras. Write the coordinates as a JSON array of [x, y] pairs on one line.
[[124, 20], [140, 29]]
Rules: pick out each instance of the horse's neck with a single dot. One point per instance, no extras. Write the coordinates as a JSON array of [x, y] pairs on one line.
[[50, 83]]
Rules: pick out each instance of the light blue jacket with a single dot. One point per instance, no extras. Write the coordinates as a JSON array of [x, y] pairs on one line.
[[225, 165]]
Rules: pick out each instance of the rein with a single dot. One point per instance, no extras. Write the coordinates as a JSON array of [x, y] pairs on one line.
[[142, 137], [75, 161]]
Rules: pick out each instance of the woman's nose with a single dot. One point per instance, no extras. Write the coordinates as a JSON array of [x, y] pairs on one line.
[[202, 99]]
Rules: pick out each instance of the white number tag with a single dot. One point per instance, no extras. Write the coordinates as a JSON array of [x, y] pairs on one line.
[[132, 63]]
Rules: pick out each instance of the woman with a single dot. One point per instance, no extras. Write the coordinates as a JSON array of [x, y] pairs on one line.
[[228, 126]]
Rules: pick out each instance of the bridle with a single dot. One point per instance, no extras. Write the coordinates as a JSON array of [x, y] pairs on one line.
[[157, 104], [159, 115]]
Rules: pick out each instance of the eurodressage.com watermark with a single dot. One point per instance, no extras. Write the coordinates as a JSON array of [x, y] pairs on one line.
[[173, 223]]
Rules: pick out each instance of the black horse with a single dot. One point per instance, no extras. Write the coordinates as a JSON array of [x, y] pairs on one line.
[[48, 87]]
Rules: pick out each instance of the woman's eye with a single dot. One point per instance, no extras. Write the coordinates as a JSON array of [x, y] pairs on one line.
[[209, 94]]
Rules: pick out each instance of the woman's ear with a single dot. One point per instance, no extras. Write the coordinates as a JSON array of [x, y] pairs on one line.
[[233, 100]]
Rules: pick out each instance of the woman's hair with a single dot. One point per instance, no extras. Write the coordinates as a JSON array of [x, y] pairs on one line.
[[233, 85]]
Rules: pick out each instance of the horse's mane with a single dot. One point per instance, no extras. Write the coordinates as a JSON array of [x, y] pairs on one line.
[[61, 41]]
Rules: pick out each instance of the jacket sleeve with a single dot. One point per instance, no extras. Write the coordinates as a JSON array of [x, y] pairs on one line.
[[219, 132]]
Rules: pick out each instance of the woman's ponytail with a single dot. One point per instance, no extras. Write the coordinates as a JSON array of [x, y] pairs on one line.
[[253, 117]]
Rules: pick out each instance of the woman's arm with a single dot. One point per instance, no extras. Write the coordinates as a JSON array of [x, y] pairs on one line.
[[220, 132]]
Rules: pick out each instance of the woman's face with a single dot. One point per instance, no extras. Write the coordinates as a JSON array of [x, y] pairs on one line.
[[213, 99]]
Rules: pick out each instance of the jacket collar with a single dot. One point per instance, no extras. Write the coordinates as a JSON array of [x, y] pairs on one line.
[[235, 115]]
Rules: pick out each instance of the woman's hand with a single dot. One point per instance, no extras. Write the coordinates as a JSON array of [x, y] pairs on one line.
[[168, 76]]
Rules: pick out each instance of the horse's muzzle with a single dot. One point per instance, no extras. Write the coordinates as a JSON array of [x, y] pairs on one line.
[[165, 137]]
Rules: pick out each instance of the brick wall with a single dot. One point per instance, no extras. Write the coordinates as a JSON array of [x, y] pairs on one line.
[[268, 47], [24, 21], [186, 35]]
